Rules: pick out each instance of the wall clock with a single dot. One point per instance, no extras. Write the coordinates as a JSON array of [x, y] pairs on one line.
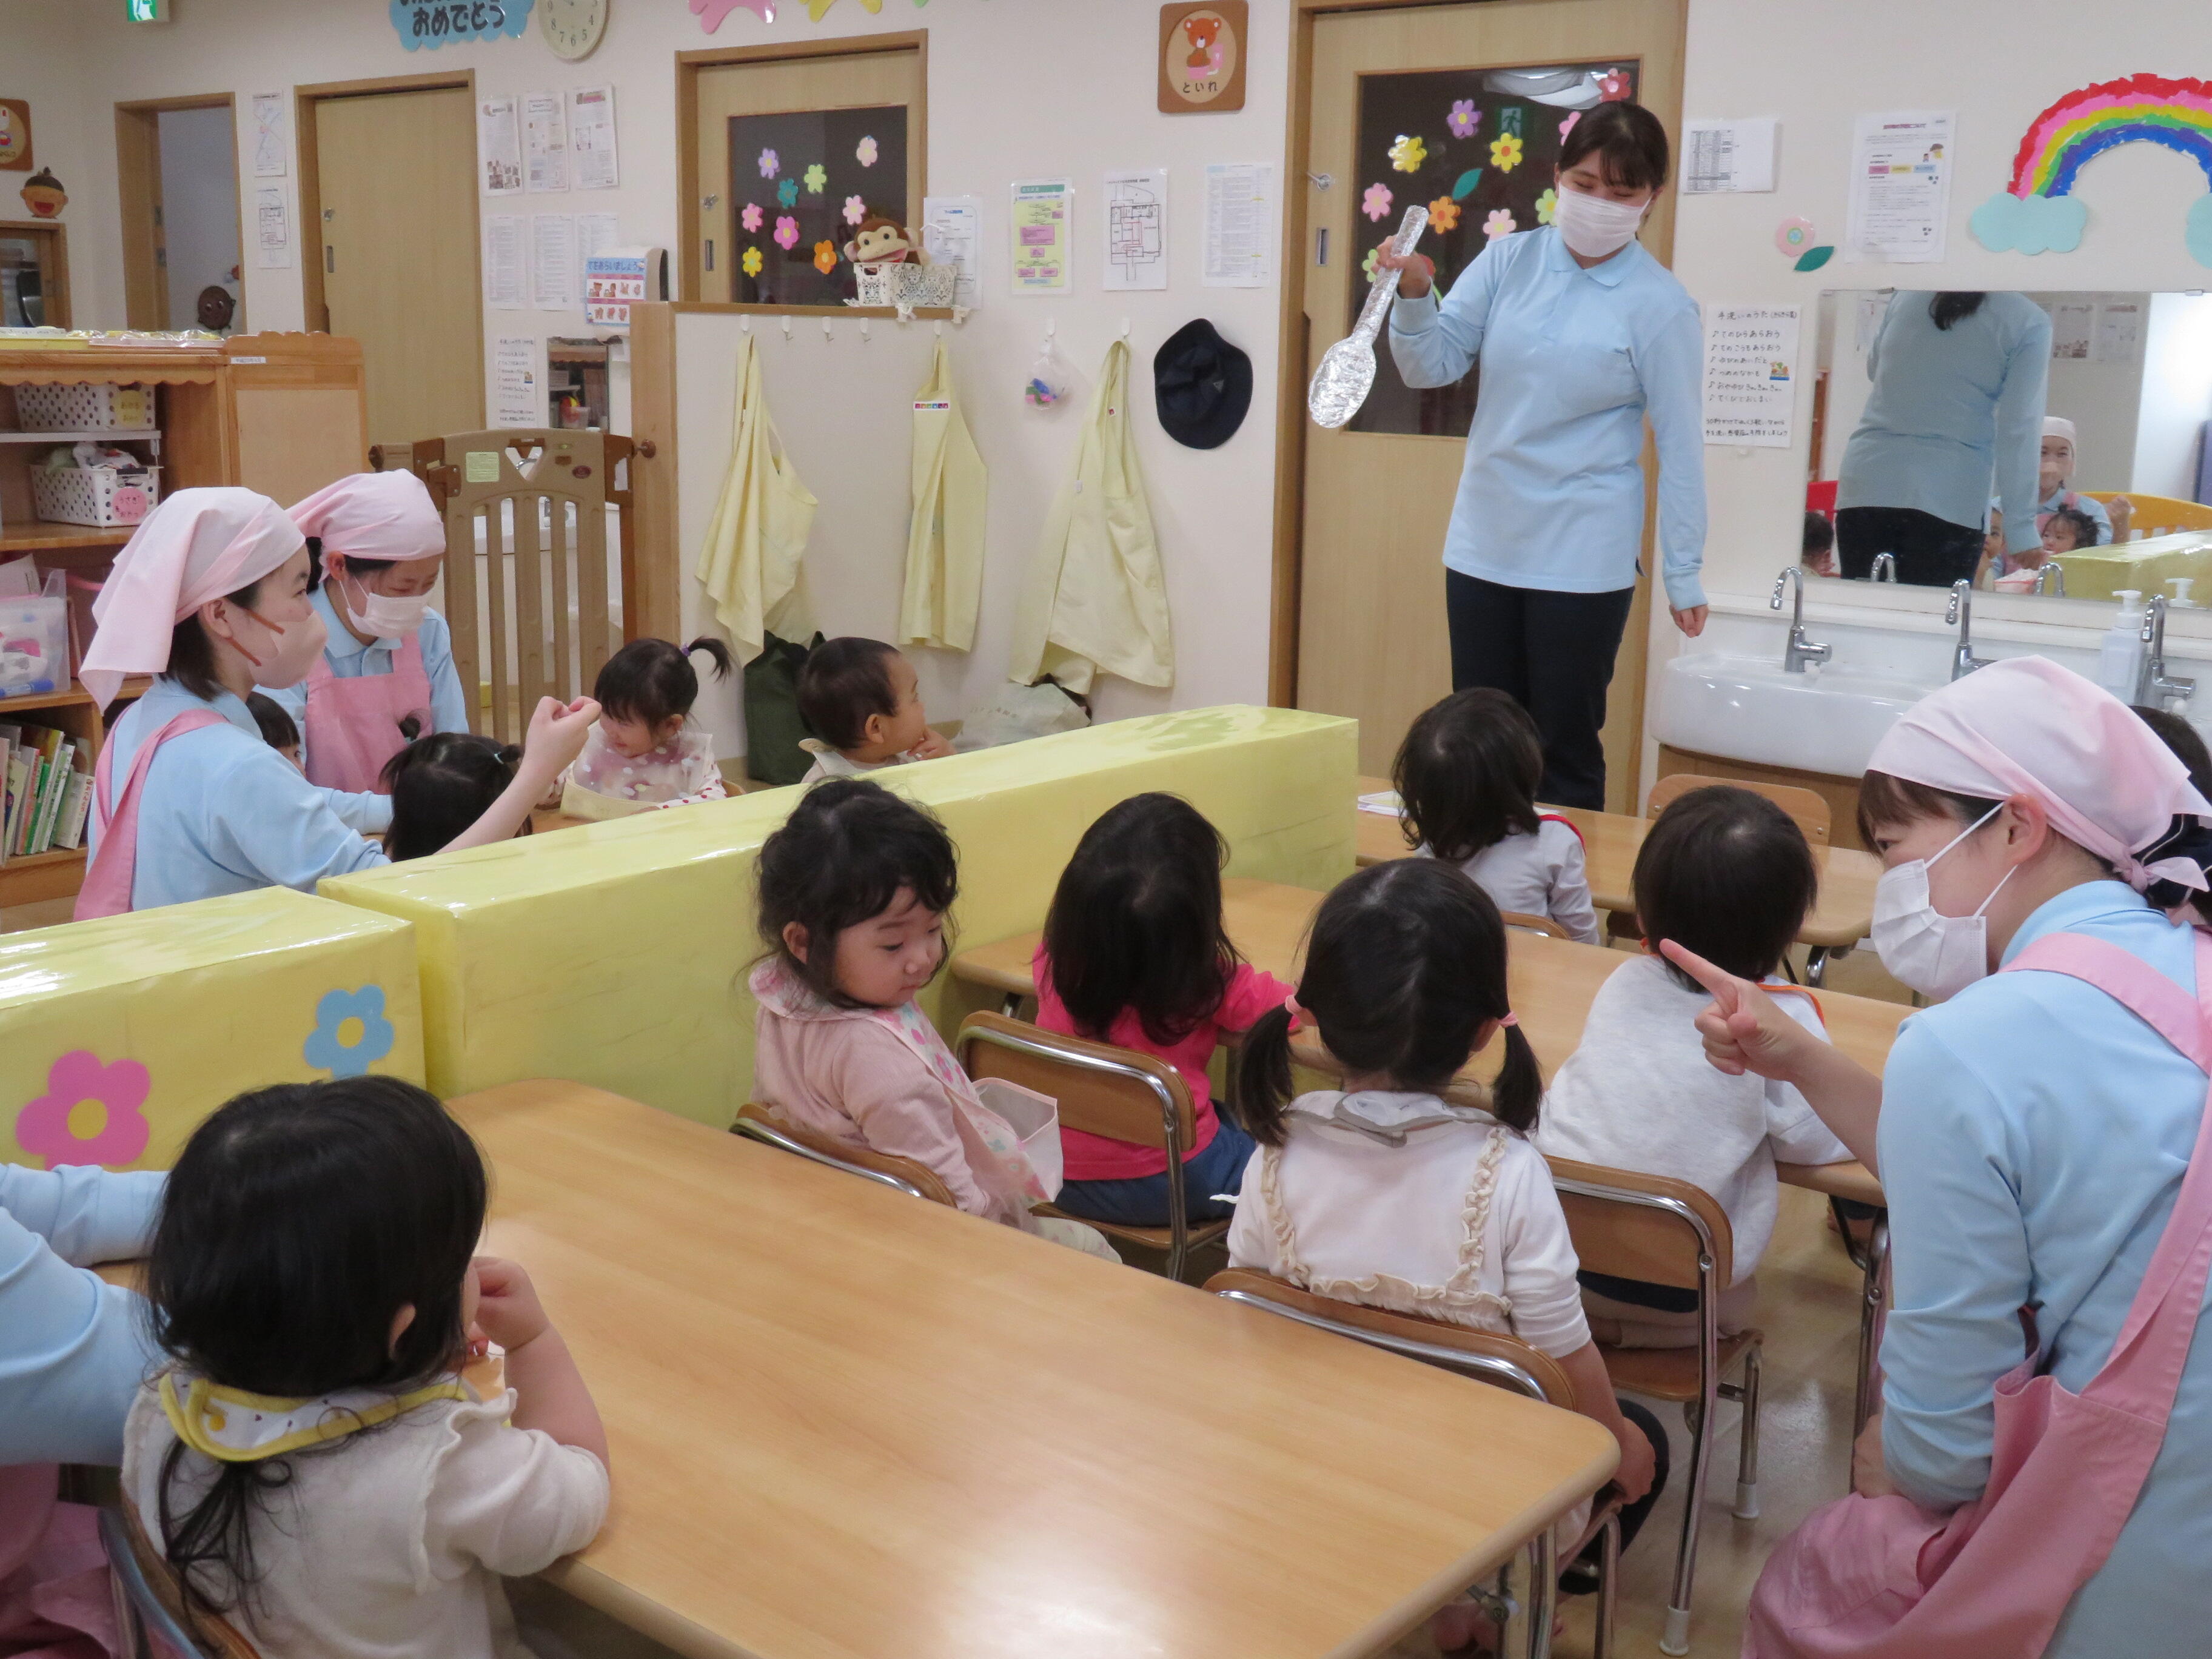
[[572, 27]]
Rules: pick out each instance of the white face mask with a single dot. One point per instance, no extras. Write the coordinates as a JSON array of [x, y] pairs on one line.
[[1594, 227], [382, 616], [1936, 955]]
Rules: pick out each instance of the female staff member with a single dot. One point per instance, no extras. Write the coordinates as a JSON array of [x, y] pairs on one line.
[[1580, 333], [1959, 384], [2032, 1133], [209, 593], [388, 666]]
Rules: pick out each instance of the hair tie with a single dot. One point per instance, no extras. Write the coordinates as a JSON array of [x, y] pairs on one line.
[[1510, 1019]]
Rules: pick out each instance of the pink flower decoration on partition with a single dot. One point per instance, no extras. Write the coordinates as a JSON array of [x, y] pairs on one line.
[[43, 1128], [751, 218], [1376, 202], [711, 12], [855, 209], [1613, 86], [866, 152], [1464, 119], [1568, 125], [787, 232], [1499, 223], [769, 162]]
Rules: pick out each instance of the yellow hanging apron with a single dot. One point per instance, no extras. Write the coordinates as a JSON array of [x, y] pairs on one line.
[[1094, 597], [749, 562], [944, 543]]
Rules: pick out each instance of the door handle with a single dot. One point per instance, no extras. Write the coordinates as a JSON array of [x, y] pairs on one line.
[[330, 261]]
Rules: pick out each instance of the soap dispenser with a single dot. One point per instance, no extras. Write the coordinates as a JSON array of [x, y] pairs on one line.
[[2119, 660], [2181, 585]]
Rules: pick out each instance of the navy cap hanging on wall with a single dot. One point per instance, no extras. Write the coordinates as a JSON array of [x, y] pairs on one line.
[[1202, 385]]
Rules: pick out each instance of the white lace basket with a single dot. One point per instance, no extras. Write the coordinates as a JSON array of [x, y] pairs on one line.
[[904, 285]]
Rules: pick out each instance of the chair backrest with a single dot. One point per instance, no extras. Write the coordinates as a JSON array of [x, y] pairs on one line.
[[1534, 924], [1808, 810], [527, 592], [1632, 1225], [2156, 513], [1505, 1362], [1102, 1089], [918, 1180], [149, 1591]]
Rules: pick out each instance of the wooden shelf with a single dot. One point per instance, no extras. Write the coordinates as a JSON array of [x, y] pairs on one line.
[[40, 537], [134, 686], [127, 433], [40, 877]]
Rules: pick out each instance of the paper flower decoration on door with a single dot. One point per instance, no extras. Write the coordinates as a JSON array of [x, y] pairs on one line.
[[2037, 211], [865, 151], [1548, 204], [786, 192], [1464, 119], [825, 256], [787, 232], [1408, 153], [90, 1113], [710, 13], [1499, 223], [817, 176], [1376, 202], [751, 218], [855, 209], [1444, 214], [1505, 152], [351, 1033], [751, 262]]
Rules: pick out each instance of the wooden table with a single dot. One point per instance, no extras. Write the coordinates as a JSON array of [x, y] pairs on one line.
[[844, 1422], [1842, 916]]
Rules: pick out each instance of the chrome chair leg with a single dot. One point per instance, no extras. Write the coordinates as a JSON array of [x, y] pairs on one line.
[[1675, 1638], [1871, 1300], [1609, 1583], [1747, 1457]]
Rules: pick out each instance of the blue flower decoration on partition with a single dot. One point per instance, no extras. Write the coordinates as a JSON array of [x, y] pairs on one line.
[[786, 192], [327, 1049]]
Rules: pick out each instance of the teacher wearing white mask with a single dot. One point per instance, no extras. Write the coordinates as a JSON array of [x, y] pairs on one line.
[[210, 595], [1581, 335], [386, 675]]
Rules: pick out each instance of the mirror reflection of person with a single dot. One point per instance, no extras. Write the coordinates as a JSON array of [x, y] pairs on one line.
[[2053, 487], [1958, 387], [1819, 555]]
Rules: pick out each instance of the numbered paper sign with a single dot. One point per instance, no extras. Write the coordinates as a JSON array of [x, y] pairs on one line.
[[433, 22]]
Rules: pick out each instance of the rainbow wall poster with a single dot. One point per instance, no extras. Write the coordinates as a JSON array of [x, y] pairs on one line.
[[2038, 212]]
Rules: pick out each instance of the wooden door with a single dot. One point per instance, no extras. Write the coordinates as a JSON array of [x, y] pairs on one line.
[[1371, 639], [395, 173], [721, 92]]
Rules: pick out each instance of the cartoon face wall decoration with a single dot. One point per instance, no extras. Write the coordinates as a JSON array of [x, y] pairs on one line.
[[1201, 62], [45, 196]]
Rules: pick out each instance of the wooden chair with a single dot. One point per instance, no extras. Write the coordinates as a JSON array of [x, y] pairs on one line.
[[1664, 1231], [507, 497], [1809, 811], [1543, 925], [150, 1613], [903, 1175], [1503, 1361], [1102, 1090]]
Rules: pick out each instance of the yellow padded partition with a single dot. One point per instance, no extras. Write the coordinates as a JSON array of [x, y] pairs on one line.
[[615, 953], [117, 1037]]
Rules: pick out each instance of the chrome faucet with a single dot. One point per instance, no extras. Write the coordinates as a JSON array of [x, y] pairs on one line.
[[1885, 568], [1961, 611], [2154, 687], [1800, 650], [2050, 581]]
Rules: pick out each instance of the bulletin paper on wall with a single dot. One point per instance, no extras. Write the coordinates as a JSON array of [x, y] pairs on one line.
[[1044, 230], [499, 148], [1720, 156], [1240, 225], [544, 143], [2072, 324], [592, 137], [502, 262], [952, 234], [272, 139], [553, 262], [518, 397], [272, 229], [1136, 203], [2120, 331], [1751, 375], [1900, 187]]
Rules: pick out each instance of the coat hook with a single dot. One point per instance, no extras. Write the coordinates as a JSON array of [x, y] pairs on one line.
[[1051, 328], [1125, 328], [787, 327], [937, 328], [746, 325], [825, 331], [864, 329]]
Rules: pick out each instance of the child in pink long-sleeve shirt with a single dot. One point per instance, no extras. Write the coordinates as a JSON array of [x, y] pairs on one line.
[[853, 890]]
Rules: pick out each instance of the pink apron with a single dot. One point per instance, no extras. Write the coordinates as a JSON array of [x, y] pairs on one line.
[[353, 726], [1882, 1578], [56, 1601], [106, 890]]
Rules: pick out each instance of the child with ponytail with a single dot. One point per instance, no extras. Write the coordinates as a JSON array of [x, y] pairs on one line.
[[645, 752], [1384, 1193]]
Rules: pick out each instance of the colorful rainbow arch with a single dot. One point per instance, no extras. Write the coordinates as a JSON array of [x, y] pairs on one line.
[[2082, 125]]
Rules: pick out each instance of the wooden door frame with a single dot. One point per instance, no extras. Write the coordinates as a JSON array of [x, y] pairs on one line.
[[138, 198], [690, 279], [56, 299], [314, 306], [1291, 345]]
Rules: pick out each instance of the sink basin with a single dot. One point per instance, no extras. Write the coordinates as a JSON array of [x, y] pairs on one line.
[[1826, 719]]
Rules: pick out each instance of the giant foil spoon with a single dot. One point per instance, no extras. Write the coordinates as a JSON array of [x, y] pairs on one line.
[[1346, 373]]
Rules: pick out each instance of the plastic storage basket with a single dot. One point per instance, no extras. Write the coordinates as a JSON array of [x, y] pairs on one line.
[[94, 408], [903, 285], [100, 495]]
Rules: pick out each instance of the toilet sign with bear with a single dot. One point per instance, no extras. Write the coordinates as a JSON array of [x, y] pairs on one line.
[[1202, 57]]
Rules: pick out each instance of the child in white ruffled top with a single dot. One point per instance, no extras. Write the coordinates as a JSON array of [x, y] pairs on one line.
[[1384, 1193], [645, 753]]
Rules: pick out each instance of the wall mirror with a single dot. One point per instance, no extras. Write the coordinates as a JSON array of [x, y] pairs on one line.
[[2088, 412]]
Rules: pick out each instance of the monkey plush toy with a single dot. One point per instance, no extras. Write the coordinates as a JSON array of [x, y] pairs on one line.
[[879, 242]]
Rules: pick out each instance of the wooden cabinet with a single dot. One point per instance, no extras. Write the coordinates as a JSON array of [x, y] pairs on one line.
[[284, 413]]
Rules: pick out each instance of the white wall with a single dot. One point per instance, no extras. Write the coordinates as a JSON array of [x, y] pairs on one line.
[[2103, 397], [199, 208], [1043, 89], [2177, 394]]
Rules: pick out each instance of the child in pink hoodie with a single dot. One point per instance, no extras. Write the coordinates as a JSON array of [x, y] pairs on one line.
[[853, 890]]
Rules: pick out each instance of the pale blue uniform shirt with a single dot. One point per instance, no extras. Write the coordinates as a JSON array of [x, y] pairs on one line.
[[1551, 494], [349, 660], [1955, 414], [73, 1350], [221, 811], [2033, 1139]]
